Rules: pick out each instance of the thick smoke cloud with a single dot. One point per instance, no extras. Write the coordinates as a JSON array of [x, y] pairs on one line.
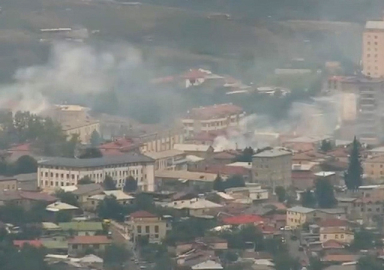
[[318, 117], [73, 72]]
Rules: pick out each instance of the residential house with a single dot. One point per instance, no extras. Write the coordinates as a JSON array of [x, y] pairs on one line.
[[8, 183], [197, 207], [298, 215], [199, 150], [119, 146], [272, 167], [331, 213], [27, 182], [215, 243], [82, 227], [83, 192], [34, 243], [374, 168], [179, 180], [172, 159], [54, 172], [243, 220], [78, 245], [254, 192], [50, 228], [344, 236], [303, 176], [210, 118], [330, 176], [59, 207], [121, 197], [25, 199], [145, 224], [225, 171]]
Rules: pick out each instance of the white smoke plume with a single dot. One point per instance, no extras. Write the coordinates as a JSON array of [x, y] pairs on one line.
[[318, 117], [71, 69]]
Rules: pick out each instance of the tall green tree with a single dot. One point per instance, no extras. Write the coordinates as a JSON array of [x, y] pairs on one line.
[[234, 181], [281, 193], [308, 199], [67, 197], [25, 164], [109, 183], [218, 184], [363, 240], [353, 176], [95, 139], [85, 180], [130, 184], [246, 155], [91, 152], [326, 146], [283, 261], [324, 193], [110, 208], [115, 256]]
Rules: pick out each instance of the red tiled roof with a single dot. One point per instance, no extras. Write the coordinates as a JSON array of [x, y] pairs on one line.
[[302, 175], [142, 214], [277, 217], [332, 244], [334, 222], [267, 229], [215, 111], [194, 74], [25, 147], [21, 243], [87, 239], [242, 219]]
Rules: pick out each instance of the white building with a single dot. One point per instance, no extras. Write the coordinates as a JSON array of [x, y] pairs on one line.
[[211, 118], [58, 171]]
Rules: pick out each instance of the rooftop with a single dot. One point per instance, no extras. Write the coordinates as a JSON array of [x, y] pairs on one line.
[[334, 222], [81, 226], [87, 188], [186, 175], [307, 139], [324, 174], [94, 162], [21, 243], [374, 25], [274, 152], [95, 239], [214, 112], [58, 206], [242, 219], [164, 154], [300, 209], [207, 265], [332, 230], [119, 194], [193, 204], [142, 214], [191, 147]]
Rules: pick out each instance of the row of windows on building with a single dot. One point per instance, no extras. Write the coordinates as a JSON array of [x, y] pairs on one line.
[[94, 175], [93, 168], [147, 229], [336, 236]]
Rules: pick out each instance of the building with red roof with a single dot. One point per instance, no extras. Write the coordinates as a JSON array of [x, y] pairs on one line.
[[334, 223], [119, 146], [33, 243], [19, 150], [210, 118], [243, 220]]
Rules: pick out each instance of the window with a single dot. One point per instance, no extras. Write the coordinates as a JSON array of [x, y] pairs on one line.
[[46, 174], [138, 229], [156, 236], [336, 236], [156, 228], [74, 246], [342, 236], [146, 229], [324, 236], [51, 174], [96, 246]]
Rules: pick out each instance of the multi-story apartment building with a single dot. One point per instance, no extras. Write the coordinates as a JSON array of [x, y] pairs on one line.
[[174, 160], [373, 49], [272, 167], [374, 168], [145, 224], [58, 171], [216, 117], [83, 129]]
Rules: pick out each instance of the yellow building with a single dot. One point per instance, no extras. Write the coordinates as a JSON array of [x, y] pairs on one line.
[[298, 215], [373, 49], [339, 234], [82, 128], [145, 224]]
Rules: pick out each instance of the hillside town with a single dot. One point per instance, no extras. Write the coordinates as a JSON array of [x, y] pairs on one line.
[[213, 189]]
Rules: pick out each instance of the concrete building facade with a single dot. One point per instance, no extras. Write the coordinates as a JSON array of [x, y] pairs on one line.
[[373, 49], [272, 167], [57, 172], [216, 117]]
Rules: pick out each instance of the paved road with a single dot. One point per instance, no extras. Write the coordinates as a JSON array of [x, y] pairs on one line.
[[293, 247]]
